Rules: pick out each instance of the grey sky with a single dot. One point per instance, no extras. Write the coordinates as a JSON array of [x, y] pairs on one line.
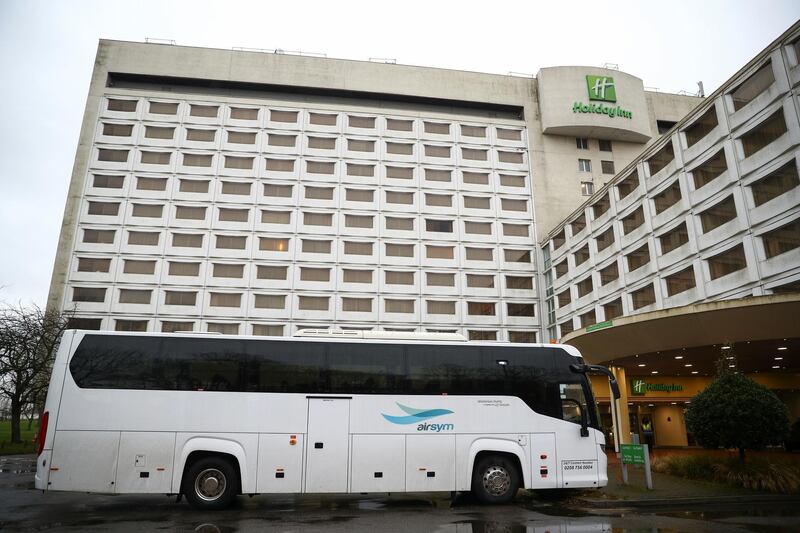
[[47, 52]]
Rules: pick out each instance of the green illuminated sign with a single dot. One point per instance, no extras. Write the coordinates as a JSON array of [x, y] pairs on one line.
[[601, 88], [640, 387], [632, 454], [600, 325]]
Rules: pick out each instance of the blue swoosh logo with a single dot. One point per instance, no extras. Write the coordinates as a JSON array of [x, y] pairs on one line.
[[415, 415]]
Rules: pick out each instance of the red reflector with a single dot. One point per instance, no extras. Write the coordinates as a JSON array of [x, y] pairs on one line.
[[42, 432]]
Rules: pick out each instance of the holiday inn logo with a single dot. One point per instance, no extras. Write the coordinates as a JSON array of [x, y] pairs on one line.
[[639, 387], [601, 88]]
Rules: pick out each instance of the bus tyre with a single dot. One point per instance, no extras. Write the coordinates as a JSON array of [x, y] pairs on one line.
[[495, 480], [211, 483]]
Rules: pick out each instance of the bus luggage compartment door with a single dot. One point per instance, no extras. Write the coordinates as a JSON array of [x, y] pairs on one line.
[[84, 461], [327, 445]]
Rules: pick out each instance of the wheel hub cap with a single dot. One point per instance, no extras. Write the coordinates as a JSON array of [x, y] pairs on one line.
[[210, 484], [496, 480]]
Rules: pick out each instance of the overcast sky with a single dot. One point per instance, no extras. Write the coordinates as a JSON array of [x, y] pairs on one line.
[[47, 52]]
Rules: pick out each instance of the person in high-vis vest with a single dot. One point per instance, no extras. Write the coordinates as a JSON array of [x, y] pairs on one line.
[[647, 430]]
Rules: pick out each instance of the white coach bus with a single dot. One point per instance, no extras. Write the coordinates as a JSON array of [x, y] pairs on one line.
[[210, 417]]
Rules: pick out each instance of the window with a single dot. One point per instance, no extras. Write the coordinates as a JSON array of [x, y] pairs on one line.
[[515, 230], [473, 131], [394, 197], [233, 215], [436, 151], [282, 140], [481, 308], [283, 116], [566, 327], [440, 307], [661, 159], [633, 221], [358, 221], [278, 191], [183, 269], [439, 252], [117, 130], [355, 121], [438, 226], [605, 239], [163, 108], [193, 186], [270, 244], [124, 106], [241, 137], [399, 125], [357, 248], [147, 210], [399, 250], [322, 119], [112, 156], [480, 281], [169, 326], [226, 299], [317, 219], [510, 157], [756, 84], [89, 264], [638, 258], [311, 246], [509, 180], [320, 167], [481, 335], [180, 298], [206, 111], [474, 178], [197, 160], [156, 158], [88, 294], [143, 238], [244, 113], [605, 146], [475, 154], [701, 127], [607, 167], [664, 126], [480, 254], [609, 273], [400, 173], [267, 330], [399, 148], [521, 310], [359, 195], [509, 134], [436, 174], [280, 165], [588, 319], [560, 238], [188, 213], [514, 205], [270, 301], [582, 255], [584, 165], [522, 336], [439, 200], [360, 170], [439, 128], [319, 193], [187, 240], [516, 256], [134, 266], [477, 202], [104, 181], [398, 306], [151, 184], [719, 214], [585, 286], [680, 282], [227, 270], [356, 276], [198, 135], [643, 297], [104, 208], [561, 268], [477, 228], [357, 305], [564, 298], [587, 188], [709, 170], [763, 134], [392, 277], [674, 238], [84, 323], [782, 240], [322, 143], [130, 325], [601, 206], [439, 279], [403, 224], [628, 185], [223, 328], [134, 296], [776, 183], [667, 198], [313, 303], [230, 242], [582, 143], [613, 309], [271, 272]]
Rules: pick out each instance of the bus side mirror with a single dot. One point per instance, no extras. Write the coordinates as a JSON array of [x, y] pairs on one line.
[[583, 369]]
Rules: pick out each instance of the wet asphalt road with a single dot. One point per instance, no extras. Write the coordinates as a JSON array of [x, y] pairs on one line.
[[22, 508]]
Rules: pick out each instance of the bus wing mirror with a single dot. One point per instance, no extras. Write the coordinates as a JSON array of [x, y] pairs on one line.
[[583, 369]]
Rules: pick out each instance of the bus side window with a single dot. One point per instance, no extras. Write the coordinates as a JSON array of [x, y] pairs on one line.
[[573, 401]]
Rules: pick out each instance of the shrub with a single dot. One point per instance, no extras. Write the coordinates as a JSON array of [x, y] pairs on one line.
[[757, 474]]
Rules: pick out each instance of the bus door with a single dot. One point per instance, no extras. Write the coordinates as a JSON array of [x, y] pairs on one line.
[[327, 444], [577, 449]]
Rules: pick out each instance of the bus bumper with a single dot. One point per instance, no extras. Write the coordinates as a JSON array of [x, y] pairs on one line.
[[42, 470]]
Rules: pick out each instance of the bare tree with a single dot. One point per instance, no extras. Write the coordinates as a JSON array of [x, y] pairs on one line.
[[29, 338]]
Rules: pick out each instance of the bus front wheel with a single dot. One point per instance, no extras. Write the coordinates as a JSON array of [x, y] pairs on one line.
[[211, 483], [495, 480]]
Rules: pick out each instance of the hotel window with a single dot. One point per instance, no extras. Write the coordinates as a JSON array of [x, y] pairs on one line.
[[207, 111], [560, 238], [313, 303], [674, 238], [197, 160], [227, 270], [607, 167], [606, 239], [582, 255], [667, 198], [776, 183], [187, 240], [398, 306], [280, 165], [509, 134], [519, 282], [366, 171], [521, 310], [628, 185], [399, 173], [587, 188], [638, 258], [477, 228], [516, 230], [151, 184], [112, 156], [278, 191], [585, 286], [481, 335], [664, 126], [402, 224], [399, 125], [436, 151], [104, 181], [180, 297], [359, 195], [225, 299], [514, 205], [263, 330], [613, 309], [633, 221], [439, 252], [781, 240], [132, 266], [392, 277], [680, 282], [582, 144], [440, 307], [322, 119], [756, 84], [240, 137], [281, 140], [399, 250], [588, 319], [701, 127], [509, 180], [510, 157], [319, 193], [357, 305], [233, 215], [283, 116], [88, 294], [516, 256], [356, 276], [357, 248], [475, 154], [480, 281], [400, 148], [763, 134], [710, 170], [223, 328], [105, 208], [439, 200], [564, 298], [566, 327], [561, 268], [578, 224], [317, 219], [473, 131], [609, 273], [322, 143], [177, 268], [143, 238], [439, 128], [169, 326], [86, 264], [130, 325], [481, 308], [438, 279], [117, 130], [315, 274], [719, 214], [600, 207], [355, 121], [643, 297], [432, 174], [480, 254], [163, 108], [244, 113], [147, 210], [605, 146], [276, 217], [394, 197], [584, 165], [270, 301], [230, 242], [358, 221], [438, 226], [474, 178], [312, 246], [198, 135], [320, 167], [124, 106], [522, 336], [661, 159], [190, 213], [271, 272], [267, 244], [477, 202]]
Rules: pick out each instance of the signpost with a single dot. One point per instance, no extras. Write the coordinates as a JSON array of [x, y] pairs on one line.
[[636, 454]]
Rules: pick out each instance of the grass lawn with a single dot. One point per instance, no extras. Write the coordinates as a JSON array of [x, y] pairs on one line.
[[27, 446]]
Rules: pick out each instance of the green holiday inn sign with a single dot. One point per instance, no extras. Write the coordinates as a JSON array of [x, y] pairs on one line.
[[640, 387], [601, 89]]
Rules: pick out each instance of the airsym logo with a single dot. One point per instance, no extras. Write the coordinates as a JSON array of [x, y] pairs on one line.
[[601, 88], [419, 417]]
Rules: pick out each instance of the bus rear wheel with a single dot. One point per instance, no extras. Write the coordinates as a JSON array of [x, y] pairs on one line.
[[211, 483], [495, 480]]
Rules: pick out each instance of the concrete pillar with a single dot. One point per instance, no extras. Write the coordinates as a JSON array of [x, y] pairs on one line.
[[622, 405]]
